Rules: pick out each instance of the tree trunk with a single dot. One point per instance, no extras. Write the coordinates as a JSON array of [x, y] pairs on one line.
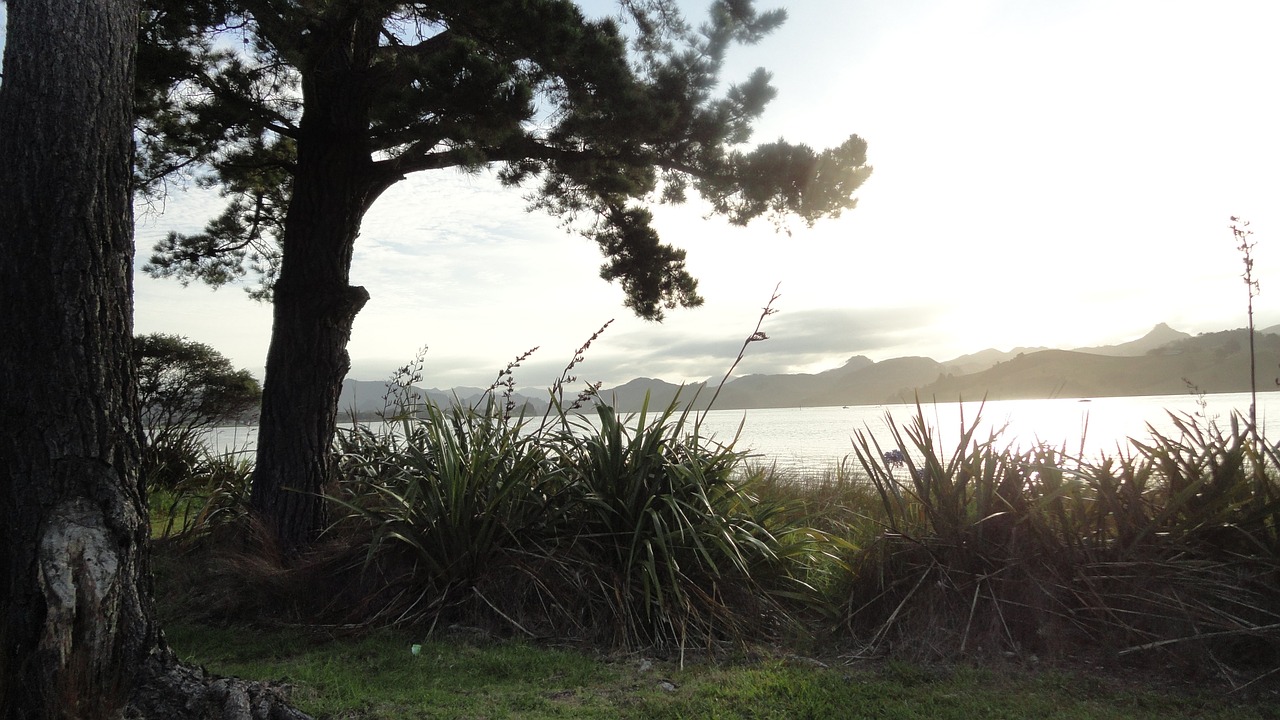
[[77, 618], [314, 304]]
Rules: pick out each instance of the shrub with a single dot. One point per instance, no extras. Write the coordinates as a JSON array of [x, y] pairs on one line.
[[1171, 548], [448, 493], [638, 533], [668, 544], [214, 494], [185, 388]]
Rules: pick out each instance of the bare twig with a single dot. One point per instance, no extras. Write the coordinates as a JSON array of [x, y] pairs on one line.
[[756, 336], [566, 377], [1244, 236], [1201, 636], [505, 616]]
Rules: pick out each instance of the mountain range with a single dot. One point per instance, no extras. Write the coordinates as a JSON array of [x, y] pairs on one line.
[[1164, 361]]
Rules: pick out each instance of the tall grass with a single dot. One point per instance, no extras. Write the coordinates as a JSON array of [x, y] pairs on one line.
[[450, 492], [670, 542], [636, 531], [640, 532], [986, 548], [212, 489]]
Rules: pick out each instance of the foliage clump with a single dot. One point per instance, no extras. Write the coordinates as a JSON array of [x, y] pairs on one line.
[[185, 388], [596, 119], [634, 532], [1171, 550]]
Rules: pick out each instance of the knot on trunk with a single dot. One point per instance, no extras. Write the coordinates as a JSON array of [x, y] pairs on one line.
[[79, 578]]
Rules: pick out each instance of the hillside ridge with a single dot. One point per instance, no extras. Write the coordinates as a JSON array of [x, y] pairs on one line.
[[1161, 362]]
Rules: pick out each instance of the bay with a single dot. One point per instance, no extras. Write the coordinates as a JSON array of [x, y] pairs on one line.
[[819, 438]]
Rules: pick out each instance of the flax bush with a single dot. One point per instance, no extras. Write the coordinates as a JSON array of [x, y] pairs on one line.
[[669, 543], [213, 492], [1171, 547], [638, 532], [449, 494]]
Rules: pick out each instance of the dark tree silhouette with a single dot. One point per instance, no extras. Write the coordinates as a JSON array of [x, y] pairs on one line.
[[77, 618], [322, 107], [185, 388]]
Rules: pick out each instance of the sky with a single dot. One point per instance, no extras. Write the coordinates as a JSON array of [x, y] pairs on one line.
[[1055, 174]]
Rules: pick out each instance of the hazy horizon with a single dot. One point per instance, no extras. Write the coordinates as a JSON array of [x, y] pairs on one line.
[[715, 377]]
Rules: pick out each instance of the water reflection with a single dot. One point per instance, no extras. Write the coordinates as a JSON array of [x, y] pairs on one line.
[[822, 437]]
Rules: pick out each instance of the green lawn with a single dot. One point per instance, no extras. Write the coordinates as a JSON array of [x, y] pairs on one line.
[[379, 676]]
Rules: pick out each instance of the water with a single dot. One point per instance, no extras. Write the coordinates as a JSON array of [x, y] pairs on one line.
[[820, 437]]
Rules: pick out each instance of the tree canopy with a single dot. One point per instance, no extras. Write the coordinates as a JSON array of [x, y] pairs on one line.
[[182, 382], [596, 119], [184, 388]]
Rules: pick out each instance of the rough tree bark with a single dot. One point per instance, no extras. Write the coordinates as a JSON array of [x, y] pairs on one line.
[[314, 304], [77, 618]]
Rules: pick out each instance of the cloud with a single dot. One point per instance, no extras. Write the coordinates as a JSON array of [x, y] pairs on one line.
[[798, 340], [828, 331]]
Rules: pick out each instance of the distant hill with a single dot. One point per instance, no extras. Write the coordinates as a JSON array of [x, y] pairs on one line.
[[630, 396], [368, 399], [1161, 362], [857, 382], [1211, 363], [885, 381], [1159, 336], [983, 359]]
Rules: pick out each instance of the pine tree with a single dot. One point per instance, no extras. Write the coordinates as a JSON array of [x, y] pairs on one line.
[[313, 110], [77, 617]]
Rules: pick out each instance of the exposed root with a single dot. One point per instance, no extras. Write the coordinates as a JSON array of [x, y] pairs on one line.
[[173, 690]]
